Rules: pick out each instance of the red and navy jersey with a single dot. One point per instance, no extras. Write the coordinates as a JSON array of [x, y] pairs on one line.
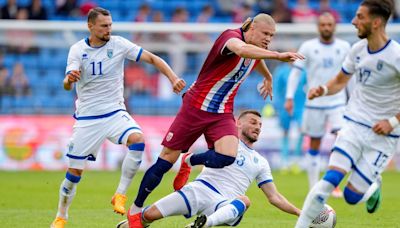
[[220, 77]]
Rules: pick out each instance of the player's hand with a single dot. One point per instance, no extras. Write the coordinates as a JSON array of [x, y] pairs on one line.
[[266, 89], [289, 56], [289, 106], [383, 127], [178, 85], [315, 92], [73, 76]]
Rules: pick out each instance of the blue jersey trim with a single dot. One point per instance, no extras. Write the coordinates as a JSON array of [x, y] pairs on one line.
[[208, 185], [97, 117], [346, 72], [365, 125], [89, 157], [88, 43], [68, 72], [374, 52], [251, 149], [187, 204], [353, 165], [126, 131], [140, 54], [264, 182], [324, 107]]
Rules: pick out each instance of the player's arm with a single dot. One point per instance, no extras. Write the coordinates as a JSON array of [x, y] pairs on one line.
[[177, 83], [71, 77], [293, 82], [278, 200], [332, 87], [246, 50], [384, 127], [266, 88]]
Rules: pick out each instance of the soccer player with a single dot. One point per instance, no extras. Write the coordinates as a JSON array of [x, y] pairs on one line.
[[96, 65], [218, 195], [208, 104], [324, 56], [368, 140]]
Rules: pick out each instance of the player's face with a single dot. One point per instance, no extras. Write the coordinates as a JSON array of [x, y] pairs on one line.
[[250, 127], [101, 29], [326, 27], [262, 34], [363, 22]]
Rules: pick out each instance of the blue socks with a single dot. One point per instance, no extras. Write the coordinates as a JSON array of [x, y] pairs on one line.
[[211, 159], [151, 180]]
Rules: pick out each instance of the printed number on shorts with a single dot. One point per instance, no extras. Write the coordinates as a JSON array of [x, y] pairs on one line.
[[240, 160], [380, 160]]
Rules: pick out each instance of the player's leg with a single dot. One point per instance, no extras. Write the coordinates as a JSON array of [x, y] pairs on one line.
[[84, 144], [321, 191], [313, 126], [124, 130], [222, 135], [229, 213], [346, 150]]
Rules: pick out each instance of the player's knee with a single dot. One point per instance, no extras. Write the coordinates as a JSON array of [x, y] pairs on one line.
[[217, 160], [351, 196], [334, 177], [239, 205], [135, 138], [245, 200], [152, 213]]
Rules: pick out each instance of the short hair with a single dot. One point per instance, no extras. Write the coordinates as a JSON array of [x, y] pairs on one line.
[[249, 111], [93, 13], [381, 8]]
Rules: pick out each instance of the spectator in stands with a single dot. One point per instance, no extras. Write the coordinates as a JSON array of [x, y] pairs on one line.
[[3, 80], [137, 81], [325, 7], [86, 6], [143, 14], [19, 83], [67, 8], [20, 41], [242, 12], [10, 10], [207, 12], [303, 13], [158, 17], [36, 10], [281, 12]]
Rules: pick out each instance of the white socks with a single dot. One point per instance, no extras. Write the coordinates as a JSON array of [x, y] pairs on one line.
[[130, 165], [314, 203], [313, 168], [67, 193], [226, 214]]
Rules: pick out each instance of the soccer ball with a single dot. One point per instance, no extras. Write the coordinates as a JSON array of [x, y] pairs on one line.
[[325, 219]]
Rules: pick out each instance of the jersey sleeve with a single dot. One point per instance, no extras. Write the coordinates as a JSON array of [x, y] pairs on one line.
[[74, 60], [348, 66], [264, 175], [301, 64], [221, 41], [132, 51]]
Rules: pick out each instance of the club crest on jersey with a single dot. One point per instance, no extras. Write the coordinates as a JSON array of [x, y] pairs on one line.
[[379, 65], [70, 147], [169, 136], [84, 56], [110, 53]]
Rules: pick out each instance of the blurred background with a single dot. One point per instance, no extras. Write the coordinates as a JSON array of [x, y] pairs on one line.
[[35, 36]]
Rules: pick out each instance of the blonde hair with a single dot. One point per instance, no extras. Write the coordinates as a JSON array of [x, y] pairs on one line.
[[261, 17]]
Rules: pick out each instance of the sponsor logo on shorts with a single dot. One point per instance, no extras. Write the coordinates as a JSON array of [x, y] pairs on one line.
[[169, 136]]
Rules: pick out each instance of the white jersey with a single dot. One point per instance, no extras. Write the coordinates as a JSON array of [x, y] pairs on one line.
[[322, 62], [100, 89], [235, 179], [377, 92]]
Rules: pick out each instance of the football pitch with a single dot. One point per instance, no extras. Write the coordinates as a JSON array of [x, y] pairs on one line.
[[29, 199]]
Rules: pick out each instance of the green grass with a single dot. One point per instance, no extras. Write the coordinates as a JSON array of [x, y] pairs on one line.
[[29, 199]]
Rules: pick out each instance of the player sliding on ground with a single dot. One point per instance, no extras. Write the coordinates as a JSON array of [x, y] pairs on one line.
[[218, 195]]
